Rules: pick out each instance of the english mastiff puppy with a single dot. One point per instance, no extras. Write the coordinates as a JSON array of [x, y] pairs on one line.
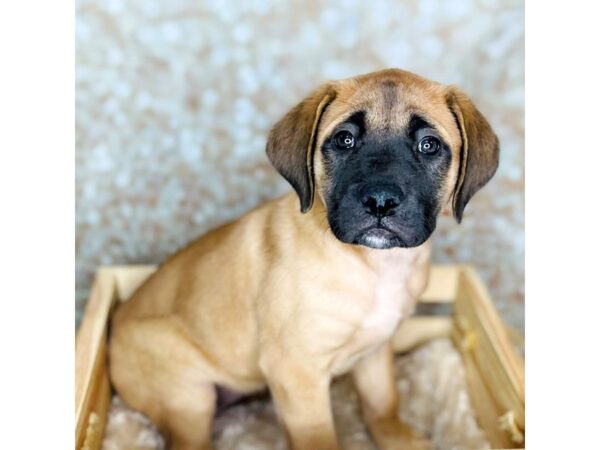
[[314, 284]]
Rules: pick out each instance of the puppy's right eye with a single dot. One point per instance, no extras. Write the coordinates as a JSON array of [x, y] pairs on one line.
[[344, 140]]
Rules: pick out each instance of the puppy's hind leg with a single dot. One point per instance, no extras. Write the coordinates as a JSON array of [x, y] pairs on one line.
[[159, 372], [189, 424]]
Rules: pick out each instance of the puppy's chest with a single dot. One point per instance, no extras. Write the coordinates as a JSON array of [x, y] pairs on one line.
[[390, 302], [375, 320]]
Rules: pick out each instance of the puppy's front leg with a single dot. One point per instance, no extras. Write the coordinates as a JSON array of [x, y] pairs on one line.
[[374, 380], [302, 401]]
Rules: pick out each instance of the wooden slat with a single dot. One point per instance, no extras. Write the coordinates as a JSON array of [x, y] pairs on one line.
[[484, 403], [507, 391], [129, 278], [442, 284], [490, 358], [90, 352], [495, 330], [98, 415], [417, 330]]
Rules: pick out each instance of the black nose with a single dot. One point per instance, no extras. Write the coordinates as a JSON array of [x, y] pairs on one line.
[[382, 202]]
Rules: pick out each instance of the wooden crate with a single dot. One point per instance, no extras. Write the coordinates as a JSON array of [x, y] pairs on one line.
[[495, 371]]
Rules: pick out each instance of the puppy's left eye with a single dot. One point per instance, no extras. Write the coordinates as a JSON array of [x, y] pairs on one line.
[[344, 139], [429, 145]]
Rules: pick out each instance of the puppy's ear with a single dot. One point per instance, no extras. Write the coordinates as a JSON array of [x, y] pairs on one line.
[[479, 150], [292, 141]]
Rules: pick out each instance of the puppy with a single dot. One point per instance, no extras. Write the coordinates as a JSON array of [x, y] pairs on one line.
[[311, 285]]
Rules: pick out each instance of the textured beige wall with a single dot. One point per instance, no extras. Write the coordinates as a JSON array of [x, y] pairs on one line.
[[174, 100]]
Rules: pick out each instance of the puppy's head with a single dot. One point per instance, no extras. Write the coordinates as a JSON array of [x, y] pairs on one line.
[[384, 152]]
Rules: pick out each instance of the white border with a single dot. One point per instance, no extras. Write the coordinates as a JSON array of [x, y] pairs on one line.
[[562, 276], [37, 224]]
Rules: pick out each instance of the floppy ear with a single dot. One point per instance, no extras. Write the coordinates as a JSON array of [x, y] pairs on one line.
[[291, 143], [479, 150]]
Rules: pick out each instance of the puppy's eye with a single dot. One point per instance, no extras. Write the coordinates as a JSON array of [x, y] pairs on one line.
[[344, 139], [429, 145]]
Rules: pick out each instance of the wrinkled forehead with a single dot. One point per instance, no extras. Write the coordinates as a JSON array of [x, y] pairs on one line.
[[389, 104]]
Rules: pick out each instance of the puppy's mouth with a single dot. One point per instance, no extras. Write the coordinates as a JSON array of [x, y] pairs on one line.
[[378, 237], [401, 231]]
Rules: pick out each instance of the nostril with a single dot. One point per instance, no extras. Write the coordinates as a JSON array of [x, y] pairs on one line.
[[380, 204], [387, 206], [370, 202], [390, 203]]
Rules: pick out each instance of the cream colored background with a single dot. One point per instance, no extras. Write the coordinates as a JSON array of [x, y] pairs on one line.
[[174, 100]]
